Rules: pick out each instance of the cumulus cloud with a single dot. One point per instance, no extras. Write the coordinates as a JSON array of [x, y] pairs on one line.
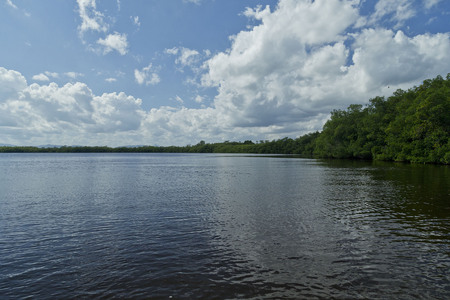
[[74, 75], [384, 57], [173, 51], [167, 125], [280, 78], [91, 18], [299, 64], [268, 76], [41, 77], [63, 114], [257, 13], [47, 75], [51, 74], [72, 114], [185, 57], [11, 82], [114, 41], [145, 76], [111, 79], [116, 112]]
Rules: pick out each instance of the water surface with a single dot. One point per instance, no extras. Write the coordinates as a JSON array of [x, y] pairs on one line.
[[186, 226]]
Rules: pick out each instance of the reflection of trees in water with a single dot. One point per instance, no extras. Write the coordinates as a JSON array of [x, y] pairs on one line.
[[421, 190], [414, 197], [394, 222]]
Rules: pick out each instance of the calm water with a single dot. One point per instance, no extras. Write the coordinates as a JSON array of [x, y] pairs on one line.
[[221, 227]]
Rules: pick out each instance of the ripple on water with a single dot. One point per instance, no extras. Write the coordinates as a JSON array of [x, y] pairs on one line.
[[216, 227]]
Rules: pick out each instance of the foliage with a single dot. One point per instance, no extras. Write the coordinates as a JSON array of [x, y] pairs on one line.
[[412, 126]]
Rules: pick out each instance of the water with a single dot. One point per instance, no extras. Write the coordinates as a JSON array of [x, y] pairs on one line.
[[186, 226]]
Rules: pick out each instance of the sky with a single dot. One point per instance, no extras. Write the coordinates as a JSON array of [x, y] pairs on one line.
[[175, 72]]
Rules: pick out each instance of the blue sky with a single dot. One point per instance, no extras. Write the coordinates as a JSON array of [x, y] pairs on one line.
[[174, 72]]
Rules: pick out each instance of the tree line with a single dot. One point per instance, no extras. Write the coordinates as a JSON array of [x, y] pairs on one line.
[[409, 126]]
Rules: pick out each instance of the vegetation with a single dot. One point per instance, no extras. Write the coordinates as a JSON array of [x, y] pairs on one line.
[[410, 126]]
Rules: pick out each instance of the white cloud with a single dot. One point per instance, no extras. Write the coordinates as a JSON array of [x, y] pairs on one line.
[[136, 21], [74, 75], [263, 79], [186, 57], [47, 75], [41, 77], [51, 74], [399, 10], [68, 114], [207, 52], [298, 65], [173, 51], [95, 21], [71, 114], [257, 13], [182, 126], [383, 57], [111, 79], [197, 2], [178, 99], [139, 76], [430, 3], [198, 99], [115, 41], [117, 112], [146, 76], [280, 78], [91, 19], [11, 4], [11, 83]]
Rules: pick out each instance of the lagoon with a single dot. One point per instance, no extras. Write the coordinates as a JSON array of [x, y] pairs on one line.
[[220, 226]]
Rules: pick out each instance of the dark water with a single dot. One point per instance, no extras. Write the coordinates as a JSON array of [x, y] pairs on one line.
[[221, 227]]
